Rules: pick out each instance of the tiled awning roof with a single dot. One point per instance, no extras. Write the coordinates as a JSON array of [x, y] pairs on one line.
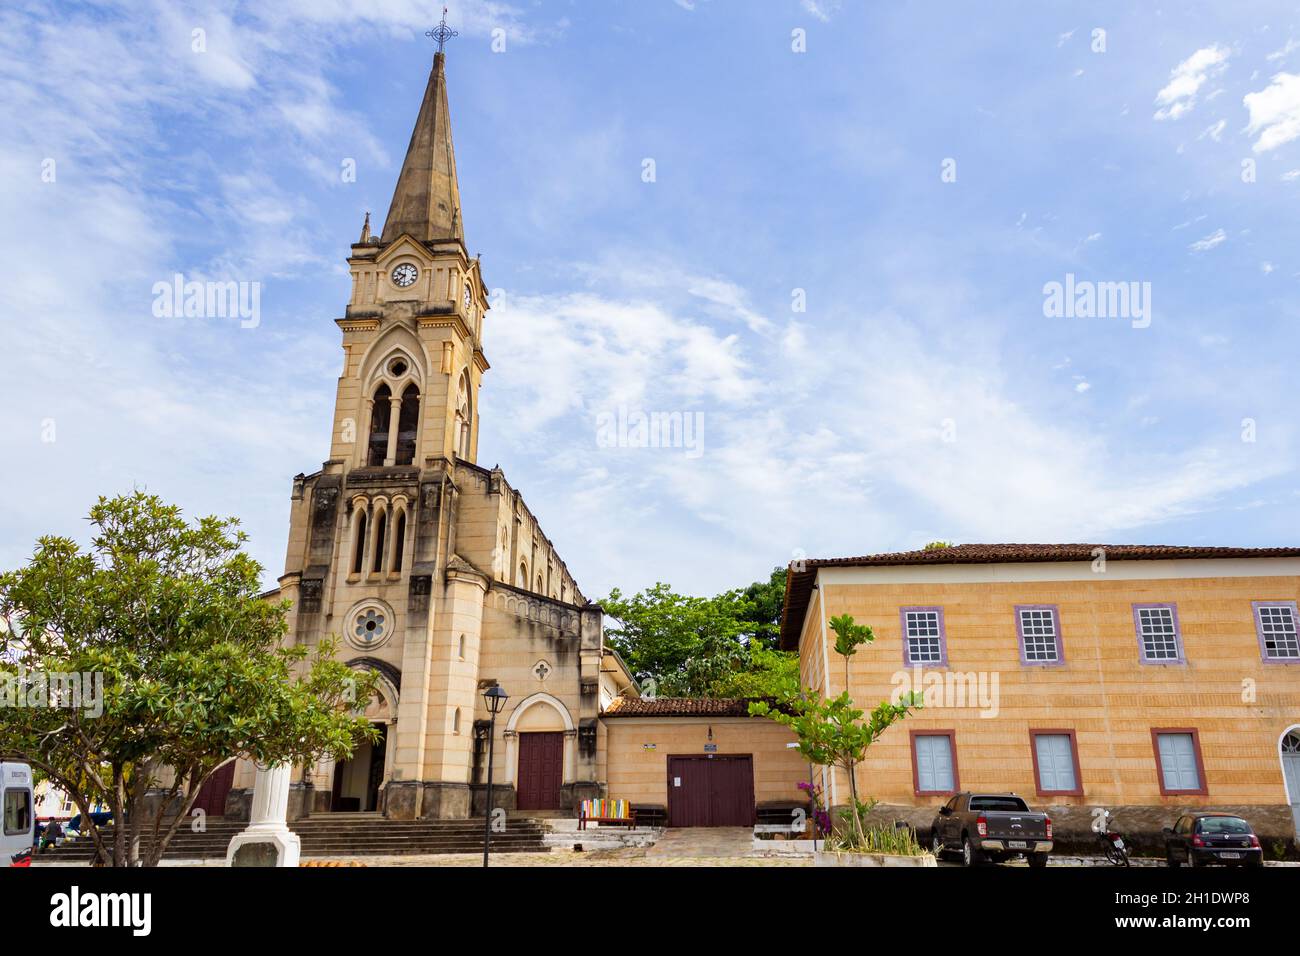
[[677, 707], [798, 584]]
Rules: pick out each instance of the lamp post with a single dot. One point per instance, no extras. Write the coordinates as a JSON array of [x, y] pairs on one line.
[[495, 698]]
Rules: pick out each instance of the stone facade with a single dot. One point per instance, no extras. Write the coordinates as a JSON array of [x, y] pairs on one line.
[[431, 569]]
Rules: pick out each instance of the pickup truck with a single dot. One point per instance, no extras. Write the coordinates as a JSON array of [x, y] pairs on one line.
[[992, 827]]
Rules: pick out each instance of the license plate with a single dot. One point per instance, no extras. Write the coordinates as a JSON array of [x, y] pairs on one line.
[[1230, 856], [1119, 844], [1017, 844]]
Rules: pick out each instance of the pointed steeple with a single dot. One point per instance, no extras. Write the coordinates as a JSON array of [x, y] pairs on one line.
[[426, 202]]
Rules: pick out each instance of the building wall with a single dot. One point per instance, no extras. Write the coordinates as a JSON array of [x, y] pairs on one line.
[[1239, 705], [641, 776]]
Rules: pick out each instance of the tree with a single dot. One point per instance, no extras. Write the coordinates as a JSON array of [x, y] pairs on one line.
[[831, 733], [685, 645], [767, 598], [723, 646], [848, 637], [937, 546], [771, 674], [147, 662]]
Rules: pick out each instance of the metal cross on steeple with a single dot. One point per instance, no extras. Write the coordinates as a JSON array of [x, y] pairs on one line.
[[442, 33]]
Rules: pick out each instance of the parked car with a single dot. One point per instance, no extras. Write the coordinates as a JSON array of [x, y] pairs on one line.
[[993, 827], [1199, 839]]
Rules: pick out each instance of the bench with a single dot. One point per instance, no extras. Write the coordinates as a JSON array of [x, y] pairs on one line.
[[608, 812]]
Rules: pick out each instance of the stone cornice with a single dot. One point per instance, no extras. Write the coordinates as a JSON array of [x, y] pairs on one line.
[[447, 320]]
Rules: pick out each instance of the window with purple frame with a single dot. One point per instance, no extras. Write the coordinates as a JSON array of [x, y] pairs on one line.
[[1159, 639], [1039, 629], [924, 639], [1277, 625]]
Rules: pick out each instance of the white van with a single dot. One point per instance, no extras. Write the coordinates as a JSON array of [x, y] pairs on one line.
[[17, 830]]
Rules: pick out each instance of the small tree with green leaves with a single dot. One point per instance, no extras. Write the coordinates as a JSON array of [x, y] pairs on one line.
[[832, 733], [164, 621]]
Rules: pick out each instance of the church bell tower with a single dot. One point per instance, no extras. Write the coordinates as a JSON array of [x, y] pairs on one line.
[[372, 543]]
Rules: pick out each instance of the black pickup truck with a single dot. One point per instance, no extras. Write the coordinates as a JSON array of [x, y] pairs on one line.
[[992, 827]]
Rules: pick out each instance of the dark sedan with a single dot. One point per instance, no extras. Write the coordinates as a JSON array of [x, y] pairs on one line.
[[1200, 839]]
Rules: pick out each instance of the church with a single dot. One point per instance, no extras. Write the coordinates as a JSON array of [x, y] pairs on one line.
[[431, 568]]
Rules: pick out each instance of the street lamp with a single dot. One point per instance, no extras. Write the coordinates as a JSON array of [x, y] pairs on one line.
[[495, 698]]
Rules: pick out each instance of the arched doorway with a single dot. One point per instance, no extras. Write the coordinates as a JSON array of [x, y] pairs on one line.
[[358, 779], [357, 783], [1289, 750], [540, 742]]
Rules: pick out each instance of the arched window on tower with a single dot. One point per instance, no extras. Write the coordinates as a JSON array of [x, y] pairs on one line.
[[360, 554], [381, 523], [408, 422], [381, 412], [464, 418], [399, 543]]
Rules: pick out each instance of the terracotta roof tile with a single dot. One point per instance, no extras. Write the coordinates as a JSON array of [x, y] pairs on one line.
[[677, 707]]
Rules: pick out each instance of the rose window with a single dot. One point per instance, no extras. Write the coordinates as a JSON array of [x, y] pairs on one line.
[[370, 626]]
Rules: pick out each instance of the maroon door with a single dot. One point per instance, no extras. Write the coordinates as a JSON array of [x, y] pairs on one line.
[[711, 791], [212, 795], [541, 771]]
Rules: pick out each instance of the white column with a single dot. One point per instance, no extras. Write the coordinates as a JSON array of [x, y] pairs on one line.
[[394, 419], [268, 823], [363, 434]]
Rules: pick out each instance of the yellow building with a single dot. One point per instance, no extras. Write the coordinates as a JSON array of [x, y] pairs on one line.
[[1136, 679]]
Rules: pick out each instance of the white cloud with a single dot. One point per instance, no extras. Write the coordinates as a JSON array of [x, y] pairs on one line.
[[823, 10], [1178, 96], [1275, 112], [1209, 242], [867, 444], [1290, 47], [1215, 132]]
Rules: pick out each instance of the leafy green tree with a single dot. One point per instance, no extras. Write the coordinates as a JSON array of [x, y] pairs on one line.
[[767, 598], [723, 646], [685, 645], [848, 637], [771, 674], [832, 733], [937, 546], [177, 660]]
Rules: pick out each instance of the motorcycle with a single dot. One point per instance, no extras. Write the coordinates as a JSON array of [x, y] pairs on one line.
[[1112, 844]]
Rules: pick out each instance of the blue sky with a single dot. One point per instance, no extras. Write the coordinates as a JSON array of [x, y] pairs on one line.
[[921, 394]]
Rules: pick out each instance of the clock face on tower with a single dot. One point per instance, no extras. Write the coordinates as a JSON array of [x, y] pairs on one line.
[[404, 275]]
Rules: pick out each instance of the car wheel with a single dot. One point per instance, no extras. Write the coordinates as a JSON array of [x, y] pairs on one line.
[[936, 845], [969, 855], [1191, 860], [1036, 860], [1170, 861]]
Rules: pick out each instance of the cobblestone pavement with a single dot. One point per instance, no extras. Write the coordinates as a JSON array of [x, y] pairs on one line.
[[635, 856]]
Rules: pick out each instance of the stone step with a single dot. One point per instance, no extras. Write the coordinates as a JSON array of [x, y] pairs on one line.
[[406, 849], [347, 834]]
